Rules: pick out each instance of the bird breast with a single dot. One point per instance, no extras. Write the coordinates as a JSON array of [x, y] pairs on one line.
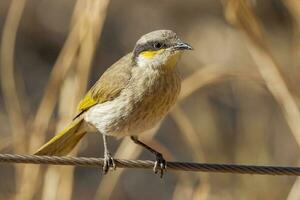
[[145, 101]]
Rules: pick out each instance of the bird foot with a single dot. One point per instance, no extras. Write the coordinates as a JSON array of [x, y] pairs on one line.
[[160, 165], [109, 163]]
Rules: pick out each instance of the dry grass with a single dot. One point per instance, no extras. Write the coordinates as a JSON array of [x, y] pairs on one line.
[[239, 101]]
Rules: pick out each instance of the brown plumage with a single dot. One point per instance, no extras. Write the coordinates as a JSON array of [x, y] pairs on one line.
[[132, 96]]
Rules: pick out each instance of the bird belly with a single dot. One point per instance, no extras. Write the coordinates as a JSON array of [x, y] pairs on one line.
[[134, 112], [109, 117]]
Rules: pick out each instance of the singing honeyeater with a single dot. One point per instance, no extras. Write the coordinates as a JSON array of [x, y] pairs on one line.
[[132, 96]]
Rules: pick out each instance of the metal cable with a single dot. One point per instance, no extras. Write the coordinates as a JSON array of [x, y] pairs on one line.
[[147, 164]]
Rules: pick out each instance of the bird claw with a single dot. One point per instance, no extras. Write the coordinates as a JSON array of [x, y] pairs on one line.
[[160, 165], [108, 163]]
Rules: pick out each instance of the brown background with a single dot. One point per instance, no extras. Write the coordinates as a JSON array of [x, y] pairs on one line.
[[234, 108]]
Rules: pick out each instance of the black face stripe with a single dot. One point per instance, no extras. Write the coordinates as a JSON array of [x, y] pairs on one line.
[[149, 46], [155, 40], [140, 48]]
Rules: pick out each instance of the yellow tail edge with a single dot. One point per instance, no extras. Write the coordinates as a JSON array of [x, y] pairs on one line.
[[63, 142]]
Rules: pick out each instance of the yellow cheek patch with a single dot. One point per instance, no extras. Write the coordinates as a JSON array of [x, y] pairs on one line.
[[150, 54]]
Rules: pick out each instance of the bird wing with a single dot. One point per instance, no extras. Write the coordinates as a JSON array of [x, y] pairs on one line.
[[109, 86]]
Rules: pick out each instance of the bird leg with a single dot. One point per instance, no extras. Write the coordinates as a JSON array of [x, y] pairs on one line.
[[108, 159], [160, 161]]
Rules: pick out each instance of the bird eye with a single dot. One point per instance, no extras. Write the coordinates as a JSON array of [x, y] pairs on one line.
[[158, 45]]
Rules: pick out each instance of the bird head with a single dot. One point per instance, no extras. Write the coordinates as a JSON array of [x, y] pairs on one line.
[[159, 49]]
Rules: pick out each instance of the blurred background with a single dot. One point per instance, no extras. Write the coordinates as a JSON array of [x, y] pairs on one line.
[[239, 101]]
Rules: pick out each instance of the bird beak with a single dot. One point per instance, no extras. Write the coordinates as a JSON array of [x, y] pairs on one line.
[[182, 46]]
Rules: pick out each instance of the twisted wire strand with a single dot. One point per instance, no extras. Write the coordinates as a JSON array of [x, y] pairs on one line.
[[147, 164]]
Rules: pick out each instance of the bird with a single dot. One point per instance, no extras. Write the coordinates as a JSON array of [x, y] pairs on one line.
[[132, 96]]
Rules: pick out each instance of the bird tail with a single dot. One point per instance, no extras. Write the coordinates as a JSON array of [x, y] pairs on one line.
[[65, 141]]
